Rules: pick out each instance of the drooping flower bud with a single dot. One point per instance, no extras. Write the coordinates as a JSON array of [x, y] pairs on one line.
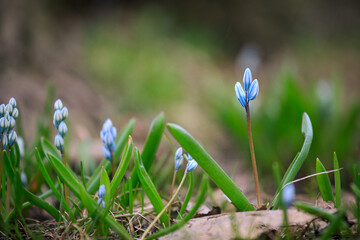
[[254, 90], [2, 110], [9, 108], [12, 102], [59, 142], [240, 94], [62, 129], [64, 113], [12, 138], [178, 158], [11, 123], [23, 179], [15, 113], [3, 124], [58, 105], [192, 164], [101, 202], [106, 152], [247, 79], [101, 192], [58, 117], [288, 195], [4, 141]]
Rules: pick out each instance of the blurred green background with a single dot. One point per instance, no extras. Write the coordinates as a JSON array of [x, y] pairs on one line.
[[121, 59]]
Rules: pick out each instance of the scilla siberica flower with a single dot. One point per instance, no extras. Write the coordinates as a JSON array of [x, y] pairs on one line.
[[288, 195], [8, 115], [251, 89], [108, 136], [192, 164], [60, 115], [101, 194], [178, 158]]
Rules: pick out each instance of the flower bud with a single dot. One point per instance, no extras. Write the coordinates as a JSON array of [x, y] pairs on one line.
[[109, 141], [64, 113], [12, 138], [106, 152], [3, 124], [12, 102], [113, 132], [101, 203], [192, 164], [58, 117], [11, 123], [240, 94], [4, 142], [254, 90], [59, 142], [62, 129], [101, 192], [58, 105], [15, 113], [247, 79], [288, 195], [107, 125], [178, 158], [23, 179], [2, 110], [9, 108]]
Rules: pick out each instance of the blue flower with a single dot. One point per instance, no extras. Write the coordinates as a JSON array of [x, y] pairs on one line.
[[12, 102], [101, 202], [2, 110], [62, 129], [101, 192], [192, 164], [288, 195], [59, 142], [178, 158], [251, 89], [108, 136], [106, 152], [15, 113], [3, 124], [9, 108], [11, 123], [64, 113], [23, 179], [4, 141], [12, 138], [58, 105]]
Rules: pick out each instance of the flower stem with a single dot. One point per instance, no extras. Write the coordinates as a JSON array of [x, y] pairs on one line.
[[8, 188], [252, 152], [66, 190], [164, 209], [171, 192], [113, 166]]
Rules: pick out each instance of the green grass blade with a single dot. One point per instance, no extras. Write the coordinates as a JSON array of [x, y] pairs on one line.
[[107, 198], [82, 174], [151, 145], [47, 147], [324, 182], [42, 204], [80, 192], [337, 183], [200, 199], [8, 166], [93, 183], [307, 131], [16, 150], [120, 172], [208, 164], [48, 179], [356, 190], [149, 187], [131, 199], [188, 195], [334, 225]]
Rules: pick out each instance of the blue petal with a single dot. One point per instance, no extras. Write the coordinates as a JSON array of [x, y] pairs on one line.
[[191, 165], [240, 94], [101, 192], [106, 152], [254, 90], [247, 79]]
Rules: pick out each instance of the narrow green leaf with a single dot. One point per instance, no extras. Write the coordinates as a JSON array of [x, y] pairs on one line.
[[200, 199], [16, 150], [107, 198], [47, 147], [93, 183], [356, 190], [120, 172], [208, 164], [188, 195], [324, 182], [80, 192], [307, 131], [149, 187], [41, 204], [151, 145], [337, 182], [82, 174], [276, 173], [131, 199], [19, 194], [8, 166], [334, 225], [48, 179]]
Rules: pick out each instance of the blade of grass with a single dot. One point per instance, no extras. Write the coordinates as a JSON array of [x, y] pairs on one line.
[[334, 225], [107, 198], [80, 192], [307, 131], [324, 182], [200, 199], [149, 187], [208, 164], [188, 195], [82, 174], [337, 183], [131, 199], [120, 172], [8, 166]]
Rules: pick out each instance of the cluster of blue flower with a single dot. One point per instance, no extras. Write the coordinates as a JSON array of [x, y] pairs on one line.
[[179, 158], [8, 116], [108, 136], [101, 194], [60, 115], [251, 89]]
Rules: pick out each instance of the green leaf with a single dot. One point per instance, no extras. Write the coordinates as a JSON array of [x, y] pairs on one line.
[[80, 192], [120, 172], [47, 147], [200, 199], [93, 183], [41, 204], [335, 224], [149, 187], [208, 164], [188, 195], [324, 182], [151, 145], [131, 199], [356, 190], [337, 182], [8, 166], [307, 131]]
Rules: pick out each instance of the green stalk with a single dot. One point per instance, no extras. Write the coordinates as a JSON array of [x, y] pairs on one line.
[[171, 193], [164, 209], [252, 152], [8, 187], [66, 190]]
